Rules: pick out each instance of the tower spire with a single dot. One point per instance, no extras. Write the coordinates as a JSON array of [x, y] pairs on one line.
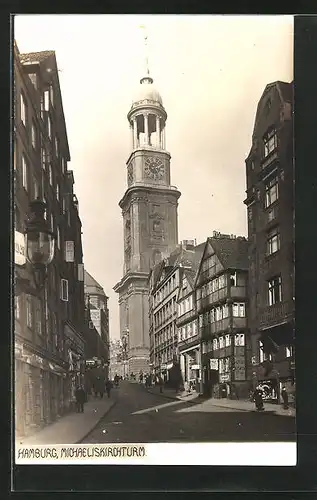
[[146, 78]]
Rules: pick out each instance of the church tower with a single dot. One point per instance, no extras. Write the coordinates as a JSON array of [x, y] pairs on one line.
[[149, 211]]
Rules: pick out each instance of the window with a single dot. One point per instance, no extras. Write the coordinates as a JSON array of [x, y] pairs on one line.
[[46, 101], [221, 342], [58, 238], [275, 290], [52, 222], [227, 340], [212, 315], [221, 281], [64, 290], [49, 127], [270, 142], [33, 135], [52, 95], [271, 214], [17, 307], [24, 172], [23, 109], [238, 310], [38, 318], [215, 344], [29, 315], [45, 213], [57, 192], [273, 241], [50, 174], [33, 78], [263, 355], [289, 351], [225, 311], [218, 313], [56, 147], [36, 188], [271, 192], [64, 166], [239, 339]]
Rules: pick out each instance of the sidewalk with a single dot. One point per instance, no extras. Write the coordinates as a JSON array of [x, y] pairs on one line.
[[241, 405], [73, 427]]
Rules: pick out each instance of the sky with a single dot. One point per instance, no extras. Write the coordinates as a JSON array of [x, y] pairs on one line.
[[210, 71]]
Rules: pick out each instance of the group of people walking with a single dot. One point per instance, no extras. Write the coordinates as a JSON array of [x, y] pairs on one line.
[[81, 395]]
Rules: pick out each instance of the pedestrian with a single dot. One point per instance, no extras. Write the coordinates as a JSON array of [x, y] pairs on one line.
[[108, 387], [80, 399], [258, 399], [285, 398], [161, 384]]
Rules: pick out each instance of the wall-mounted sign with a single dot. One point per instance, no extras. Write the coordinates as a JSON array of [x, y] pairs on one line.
[[195, 367], [224, 377], [19, 248], [69, 251], [213, 364]]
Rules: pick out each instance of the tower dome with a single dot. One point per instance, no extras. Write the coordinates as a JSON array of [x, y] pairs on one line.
[[147, 91]]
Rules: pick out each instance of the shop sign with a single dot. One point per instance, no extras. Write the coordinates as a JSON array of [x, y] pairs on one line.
[[19, 248], [169, 366], [214, 363], [224, 377], [195, 367], [69, 251], [95, 315]]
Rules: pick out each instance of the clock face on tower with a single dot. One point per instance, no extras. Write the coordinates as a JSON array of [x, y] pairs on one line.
[[154, 168]]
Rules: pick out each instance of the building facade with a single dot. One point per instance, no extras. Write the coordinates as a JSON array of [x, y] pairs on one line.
[[221, 300], [48, 321], [270, 206], [118, 366], [149, 210], [164, 288]]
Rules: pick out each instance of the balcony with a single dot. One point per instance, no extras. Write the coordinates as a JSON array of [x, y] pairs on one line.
[[274, 315], [268, 164]]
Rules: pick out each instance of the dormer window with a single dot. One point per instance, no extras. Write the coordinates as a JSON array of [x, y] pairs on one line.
[[270, 142]]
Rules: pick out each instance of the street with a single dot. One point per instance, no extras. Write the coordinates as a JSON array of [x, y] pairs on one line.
[[139, 416]]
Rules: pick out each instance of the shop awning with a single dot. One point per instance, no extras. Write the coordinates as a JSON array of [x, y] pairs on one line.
[[273, 338]]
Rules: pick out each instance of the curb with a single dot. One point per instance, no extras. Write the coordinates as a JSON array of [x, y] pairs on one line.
[[97, 423], [175, 398]]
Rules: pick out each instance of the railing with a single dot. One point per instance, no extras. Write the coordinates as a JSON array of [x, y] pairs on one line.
[[276, 314]]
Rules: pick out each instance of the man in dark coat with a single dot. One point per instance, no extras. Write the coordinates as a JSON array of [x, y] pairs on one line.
[[80, 399], [108, 387], [285, 398]]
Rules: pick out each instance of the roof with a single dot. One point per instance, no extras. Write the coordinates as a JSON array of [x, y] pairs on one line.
[[232, 252], [36, 56], [91, 282]]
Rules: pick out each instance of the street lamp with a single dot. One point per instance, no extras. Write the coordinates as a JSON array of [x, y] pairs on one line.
[[40, 241]]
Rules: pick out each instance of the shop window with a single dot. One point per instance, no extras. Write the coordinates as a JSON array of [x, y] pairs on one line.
[[271, 192], [273, 241], [275, 290]]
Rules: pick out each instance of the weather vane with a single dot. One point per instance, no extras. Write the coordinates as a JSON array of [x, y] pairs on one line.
[[145, 35]]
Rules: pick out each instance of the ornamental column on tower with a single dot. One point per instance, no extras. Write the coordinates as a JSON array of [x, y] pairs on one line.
[[149, 210]]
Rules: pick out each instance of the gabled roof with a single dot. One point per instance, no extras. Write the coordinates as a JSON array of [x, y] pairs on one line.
[[232, 252], [90, 281]]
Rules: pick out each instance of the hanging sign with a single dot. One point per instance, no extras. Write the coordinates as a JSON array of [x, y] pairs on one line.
[[69, 251], [19, 248]]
